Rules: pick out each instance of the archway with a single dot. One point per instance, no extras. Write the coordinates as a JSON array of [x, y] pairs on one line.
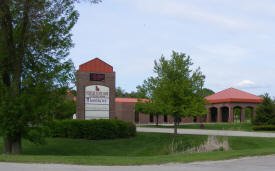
[[214, 114], [225, 114], [248, 114], [237, 114]]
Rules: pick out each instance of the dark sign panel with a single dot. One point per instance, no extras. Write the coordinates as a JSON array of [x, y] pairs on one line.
[[97, 77]]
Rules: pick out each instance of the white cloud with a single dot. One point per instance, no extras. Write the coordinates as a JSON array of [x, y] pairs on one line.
[[245, 84], [183, 10]]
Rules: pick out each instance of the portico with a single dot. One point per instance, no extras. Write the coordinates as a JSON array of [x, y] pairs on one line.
[[222, 105]]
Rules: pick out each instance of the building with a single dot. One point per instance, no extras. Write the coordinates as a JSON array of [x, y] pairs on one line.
[[96, 99], [222, 104], [124, 110]]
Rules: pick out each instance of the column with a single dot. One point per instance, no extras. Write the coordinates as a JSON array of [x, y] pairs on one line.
[[219, 114], [242, 115], [208, 118], [253, 113], [231, 114]]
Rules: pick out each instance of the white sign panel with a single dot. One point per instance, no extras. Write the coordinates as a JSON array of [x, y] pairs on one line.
[[96, 102]]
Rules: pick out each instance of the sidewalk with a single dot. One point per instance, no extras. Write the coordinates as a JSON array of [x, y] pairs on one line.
[[208, 132]]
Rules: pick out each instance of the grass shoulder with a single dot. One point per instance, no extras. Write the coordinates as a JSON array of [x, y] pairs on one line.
[[145, 148]]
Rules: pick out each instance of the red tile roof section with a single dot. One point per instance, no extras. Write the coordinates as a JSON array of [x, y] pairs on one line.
[[128, 100], [96, 65], [233, 95]]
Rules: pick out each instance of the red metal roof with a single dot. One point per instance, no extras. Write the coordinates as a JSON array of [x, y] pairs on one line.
[[127, 100], [96, 65], [233, 95]]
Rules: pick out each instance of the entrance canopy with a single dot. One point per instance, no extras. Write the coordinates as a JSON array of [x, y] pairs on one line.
[[233, 95]]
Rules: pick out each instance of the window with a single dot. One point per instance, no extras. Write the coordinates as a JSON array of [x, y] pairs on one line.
[[194, 119], [151, 118], [165, 119], [136, 116]]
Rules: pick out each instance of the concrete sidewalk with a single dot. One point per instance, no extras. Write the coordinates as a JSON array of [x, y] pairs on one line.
[[208, 132]]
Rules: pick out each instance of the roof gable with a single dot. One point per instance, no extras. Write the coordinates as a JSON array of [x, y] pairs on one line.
[[233, 95], [96, 65]]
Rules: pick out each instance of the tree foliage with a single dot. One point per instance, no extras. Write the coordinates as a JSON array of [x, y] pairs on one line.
[[122, 93], [207, 92], [265, 112], [178, 88], [35, 40], [149, 105]]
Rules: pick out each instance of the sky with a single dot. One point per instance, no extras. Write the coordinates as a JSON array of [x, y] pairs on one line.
[[233, 42]]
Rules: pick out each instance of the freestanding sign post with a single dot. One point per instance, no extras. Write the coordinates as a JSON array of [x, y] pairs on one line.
[[95, 90]]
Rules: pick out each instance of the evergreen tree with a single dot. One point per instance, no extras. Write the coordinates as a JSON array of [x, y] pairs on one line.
[[265, 112]]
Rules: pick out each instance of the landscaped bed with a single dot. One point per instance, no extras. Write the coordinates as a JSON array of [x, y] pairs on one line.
[[145, 148]]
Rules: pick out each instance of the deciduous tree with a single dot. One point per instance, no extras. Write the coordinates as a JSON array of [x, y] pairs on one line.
[[35, 38], [179, 88]]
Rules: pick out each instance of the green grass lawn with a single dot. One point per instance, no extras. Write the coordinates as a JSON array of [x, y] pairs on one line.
[[145, 148], [217, 126]]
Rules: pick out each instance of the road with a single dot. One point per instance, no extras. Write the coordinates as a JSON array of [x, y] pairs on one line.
[[263, 163], [207, 132]]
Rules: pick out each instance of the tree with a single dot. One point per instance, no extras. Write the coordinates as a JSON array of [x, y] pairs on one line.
[[122, 93], [65, 110], [150, 106], [178, 87], [207, 92], [265, 112], [35, 40]]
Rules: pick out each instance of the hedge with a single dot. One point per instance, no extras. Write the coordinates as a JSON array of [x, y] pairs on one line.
[[92, 129], [264, 127]]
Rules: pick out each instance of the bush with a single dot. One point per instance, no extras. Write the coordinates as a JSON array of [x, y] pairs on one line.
[[92, 129], [264, 128], [265, 112]]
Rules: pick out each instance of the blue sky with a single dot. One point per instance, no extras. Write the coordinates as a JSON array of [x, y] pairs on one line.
[[232, 41]]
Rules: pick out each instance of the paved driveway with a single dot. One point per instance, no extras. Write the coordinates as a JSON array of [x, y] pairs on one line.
[[264, 163], [207, 132]]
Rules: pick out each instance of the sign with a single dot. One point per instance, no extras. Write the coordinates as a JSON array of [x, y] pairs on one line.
[[97, 102], [97, 77]]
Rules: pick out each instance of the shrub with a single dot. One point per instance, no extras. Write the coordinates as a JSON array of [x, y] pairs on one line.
[[264, 127], [92, 129], [265, 112]]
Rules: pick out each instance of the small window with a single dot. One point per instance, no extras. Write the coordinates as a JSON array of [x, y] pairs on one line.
[[137, 117], [194, 119], [165, 118], [151, 118]]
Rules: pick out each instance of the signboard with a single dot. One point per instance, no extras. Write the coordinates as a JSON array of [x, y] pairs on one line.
[[96, 102], [97, 77]]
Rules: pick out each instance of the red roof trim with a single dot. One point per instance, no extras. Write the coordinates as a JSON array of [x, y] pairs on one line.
[[233, 95], [127, 100], [96, 65], [93, 60]]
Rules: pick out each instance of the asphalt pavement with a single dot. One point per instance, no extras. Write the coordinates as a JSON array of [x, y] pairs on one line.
[[208, 132], [263, 163]]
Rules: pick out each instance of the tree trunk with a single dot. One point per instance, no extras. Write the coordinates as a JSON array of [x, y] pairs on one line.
[[157, 123], [6, 146], [12, 147], [16, 147], [175, 126]]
